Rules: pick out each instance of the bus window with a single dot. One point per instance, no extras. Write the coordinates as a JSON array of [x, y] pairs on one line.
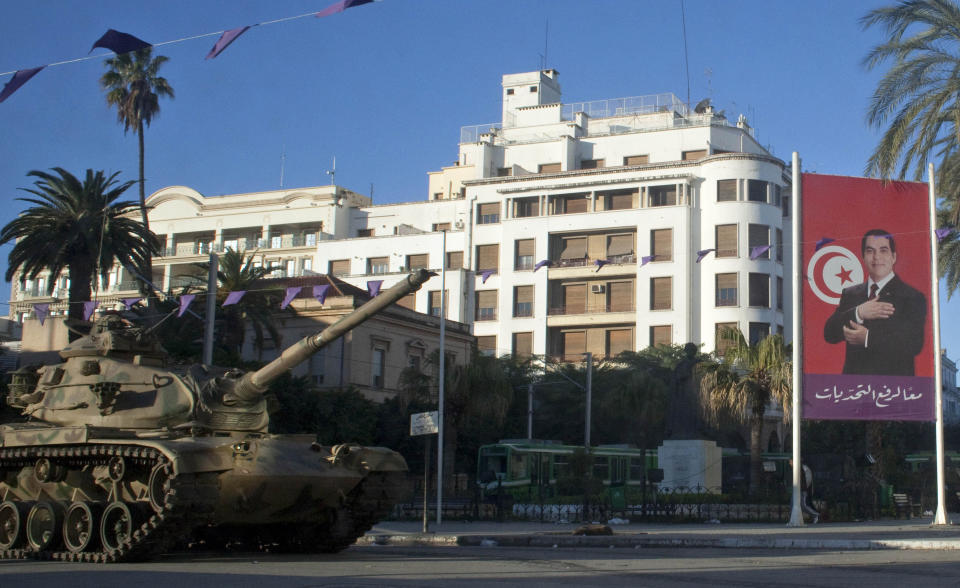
[[601, 467], [518, 466], [619, 472], [561, 465]]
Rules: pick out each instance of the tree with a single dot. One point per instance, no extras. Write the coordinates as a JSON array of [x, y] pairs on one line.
[[76, 226], [134, 87], [744, 382], [236, 273]]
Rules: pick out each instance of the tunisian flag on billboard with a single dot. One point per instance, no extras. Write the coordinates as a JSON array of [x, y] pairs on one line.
[[866, 321]]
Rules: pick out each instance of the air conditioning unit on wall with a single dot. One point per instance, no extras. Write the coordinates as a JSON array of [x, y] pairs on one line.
[[597, 288]]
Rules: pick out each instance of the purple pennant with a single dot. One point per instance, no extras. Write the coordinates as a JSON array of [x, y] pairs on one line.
[[185, 301], [485, 275], [119, 42], [942, 233], [341, 6], [646, 259], [821, 242], [703, 253], [758, 251], [128, 302], [291, 293], [42, 310], [540, 264], [234, 297], [373, 287], [600, 263], [88, 308], [225, 39], [320, 292], [20, 78]]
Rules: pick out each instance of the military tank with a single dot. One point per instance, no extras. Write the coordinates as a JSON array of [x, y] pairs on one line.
[[121, 458]]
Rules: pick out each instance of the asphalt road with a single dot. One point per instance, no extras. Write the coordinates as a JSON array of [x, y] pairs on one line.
[[498, 566]]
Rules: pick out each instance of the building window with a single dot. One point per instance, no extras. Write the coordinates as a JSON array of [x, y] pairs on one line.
[[574, 345], [503, 172], [760, 290], [662, 195], [488, 213], [661, 335], [434, 303], [779, 245], [526, 207], [620, 296], [727, 190], [572, 204], [726, 240], [779, 293], [693, 155], [378, 367], [523, 254], [276, 241], [756, 191], [726, 289], [522, 301], [618, 341], [725, 337], [777, 190], [339, 267], [759, 332], [455, 260], [620, 248], [661, 293], [573, 248], [533, 89], [364, 232], [408, 301], [486, 305], [290, 268], [437, 227], [418, 261], [378, 265], [310, 239], [509, 91], [548, 168], [488, 257], [522, 344], [661, 244], [758, 235], [786, 206], [487, 345], [574, 299], [636, 160], [591, 163], [620, 200]]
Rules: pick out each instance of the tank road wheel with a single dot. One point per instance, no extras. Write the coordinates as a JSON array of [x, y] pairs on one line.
[[12, 517], [159, 486], [80, 526], [116, 526], [116, 468], [43, 525]]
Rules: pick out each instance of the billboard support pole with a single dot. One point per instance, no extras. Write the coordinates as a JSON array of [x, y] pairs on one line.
[[940, 518], [796, 513]]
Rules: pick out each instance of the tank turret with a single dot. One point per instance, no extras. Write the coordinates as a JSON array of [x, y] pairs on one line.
[[121, 455]]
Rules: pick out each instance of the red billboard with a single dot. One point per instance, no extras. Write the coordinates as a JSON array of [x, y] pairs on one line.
[[866, 315]]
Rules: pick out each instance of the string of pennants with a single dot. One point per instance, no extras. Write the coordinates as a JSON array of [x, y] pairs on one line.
[[319, 292], [119, 43], [42, 310]]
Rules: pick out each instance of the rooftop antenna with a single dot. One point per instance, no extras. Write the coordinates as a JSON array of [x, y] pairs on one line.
[[283, 161], [371, 192], [333, 172], [546, 40], [686, 57]]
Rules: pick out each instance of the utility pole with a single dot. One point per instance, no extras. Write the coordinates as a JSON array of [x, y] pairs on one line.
[[589, 390]]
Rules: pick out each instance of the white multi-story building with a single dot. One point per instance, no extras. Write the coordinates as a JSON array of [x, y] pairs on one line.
[[593, 189], [568, 228]]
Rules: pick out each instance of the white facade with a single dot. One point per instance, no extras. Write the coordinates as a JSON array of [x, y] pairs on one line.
[[610, 181], [587, 182]]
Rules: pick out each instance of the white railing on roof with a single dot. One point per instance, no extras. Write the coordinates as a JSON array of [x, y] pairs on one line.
[[653, 103], [471, 134]]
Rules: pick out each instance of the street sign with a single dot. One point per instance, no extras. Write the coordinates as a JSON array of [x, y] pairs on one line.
[[424, 423]]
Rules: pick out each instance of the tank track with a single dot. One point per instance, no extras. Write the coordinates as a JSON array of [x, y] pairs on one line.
[[188, 502]]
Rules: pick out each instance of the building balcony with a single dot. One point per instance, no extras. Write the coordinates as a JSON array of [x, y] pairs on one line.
[[569, 268], [560, 316]]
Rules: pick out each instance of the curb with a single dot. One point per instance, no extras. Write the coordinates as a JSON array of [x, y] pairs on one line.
[[639, 542]]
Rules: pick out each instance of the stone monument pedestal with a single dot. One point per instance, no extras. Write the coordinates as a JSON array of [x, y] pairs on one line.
[[691, 464]]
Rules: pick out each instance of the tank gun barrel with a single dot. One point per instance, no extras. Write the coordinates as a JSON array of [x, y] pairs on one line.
[[254, 384]]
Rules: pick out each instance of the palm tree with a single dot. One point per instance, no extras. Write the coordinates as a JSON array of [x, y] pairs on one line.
[[76, 226], [236, 272], [744, 382], [918, 98], [135, 89]]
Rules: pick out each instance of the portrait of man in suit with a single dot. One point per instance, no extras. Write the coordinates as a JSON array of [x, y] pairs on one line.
[[882, 320]]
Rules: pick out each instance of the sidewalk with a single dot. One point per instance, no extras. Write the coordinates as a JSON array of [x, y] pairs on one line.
[[883, 534]]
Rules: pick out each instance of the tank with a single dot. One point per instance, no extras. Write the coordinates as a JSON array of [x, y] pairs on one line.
[[122, 458]]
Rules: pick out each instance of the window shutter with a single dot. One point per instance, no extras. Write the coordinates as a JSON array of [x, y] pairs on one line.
[[759, 235], [525, 247], [523, 344], [574, 345], [661, 335], [488, 257], [726, 289], [726, 190], [408, 301], [620, 296], [454, 259], [694, 155], [618, 341], [574, 204], [417, 261], [489, 208], [524, 294], [487, 344], [636, 159], [661, 293], [340, 267], [574, 248], [726, 240], [620, 200], [575, 299], [662, 244], [620, 244], [548, 168]]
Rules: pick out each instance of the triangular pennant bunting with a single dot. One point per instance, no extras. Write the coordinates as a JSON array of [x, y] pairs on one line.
[[290, 294]]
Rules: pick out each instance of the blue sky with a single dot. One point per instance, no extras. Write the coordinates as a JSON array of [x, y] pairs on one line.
[[385, 87]]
